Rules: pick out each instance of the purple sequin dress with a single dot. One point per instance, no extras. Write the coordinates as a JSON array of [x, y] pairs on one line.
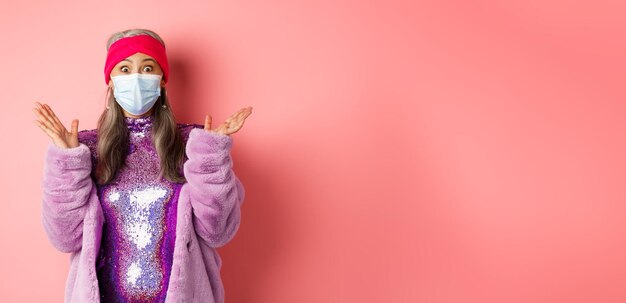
[[137, 245]]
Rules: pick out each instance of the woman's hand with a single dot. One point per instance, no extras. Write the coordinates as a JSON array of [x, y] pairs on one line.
[[232, 124], [51, 125]]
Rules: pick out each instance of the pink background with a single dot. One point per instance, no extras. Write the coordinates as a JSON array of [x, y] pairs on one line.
[[416, 151]]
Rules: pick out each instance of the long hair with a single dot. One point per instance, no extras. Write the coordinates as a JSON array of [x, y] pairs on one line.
[[113, 133]]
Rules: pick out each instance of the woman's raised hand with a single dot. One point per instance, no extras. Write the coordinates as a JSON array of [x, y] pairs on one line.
[[51, 125], [232, 124]]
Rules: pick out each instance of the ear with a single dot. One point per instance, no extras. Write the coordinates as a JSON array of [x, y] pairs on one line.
[[162, 83]]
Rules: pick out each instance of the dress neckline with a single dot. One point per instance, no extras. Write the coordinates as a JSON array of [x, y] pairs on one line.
[[139, 124]]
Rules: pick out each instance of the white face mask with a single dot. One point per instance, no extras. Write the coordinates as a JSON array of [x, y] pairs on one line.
[[136, 93]]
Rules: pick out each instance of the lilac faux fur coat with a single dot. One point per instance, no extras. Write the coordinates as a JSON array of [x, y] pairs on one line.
[[208, 217]]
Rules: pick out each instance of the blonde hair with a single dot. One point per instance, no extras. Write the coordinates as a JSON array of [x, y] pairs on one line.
[[113, 134]]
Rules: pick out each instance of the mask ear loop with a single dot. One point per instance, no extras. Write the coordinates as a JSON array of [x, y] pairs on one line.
[[106, 100]]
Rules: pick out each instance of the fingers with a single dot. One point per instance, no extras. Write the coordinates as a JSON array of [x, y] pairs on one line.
[[52, 134], [75, 127], [52, 119], [56, 119], [242, 114], [247, 111], [235, 123], [43, 118], [207, 122]]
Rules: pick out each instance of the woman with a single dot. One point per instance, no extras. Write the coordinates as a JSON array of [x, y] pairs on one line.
[[142, 202]]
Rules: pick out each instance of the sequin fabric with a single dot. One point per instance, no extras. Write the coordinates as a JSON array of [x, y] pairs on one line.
[[136, 252]]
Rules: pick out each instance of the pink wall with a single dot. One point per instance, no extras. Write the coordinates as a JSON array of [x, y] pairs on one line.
[[416, 151]]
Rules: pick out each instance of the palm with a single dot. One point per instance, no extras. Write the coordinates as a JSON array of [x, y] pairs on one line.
[[232, 124], [53, 127]]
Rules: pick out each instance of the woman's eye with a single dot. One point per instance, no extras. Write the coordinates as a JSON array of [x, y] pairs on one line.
[[124, 69], [147, 69]]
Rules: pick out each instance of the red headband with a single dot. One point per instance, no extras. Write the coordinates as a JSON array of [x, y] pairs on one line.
[[128, 46]]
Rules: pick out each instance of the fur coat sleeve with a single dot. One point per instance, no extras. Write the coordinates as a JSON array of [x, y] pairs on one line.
[[67, 187], [215, 192]]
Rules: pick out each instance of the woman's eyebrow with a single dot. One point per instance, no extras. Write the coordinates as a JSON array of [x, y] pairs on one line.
[[146, 59]]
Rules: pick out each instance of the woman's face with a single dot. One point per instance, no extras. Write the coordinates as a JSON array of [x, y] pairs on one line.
[[137, 63]]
